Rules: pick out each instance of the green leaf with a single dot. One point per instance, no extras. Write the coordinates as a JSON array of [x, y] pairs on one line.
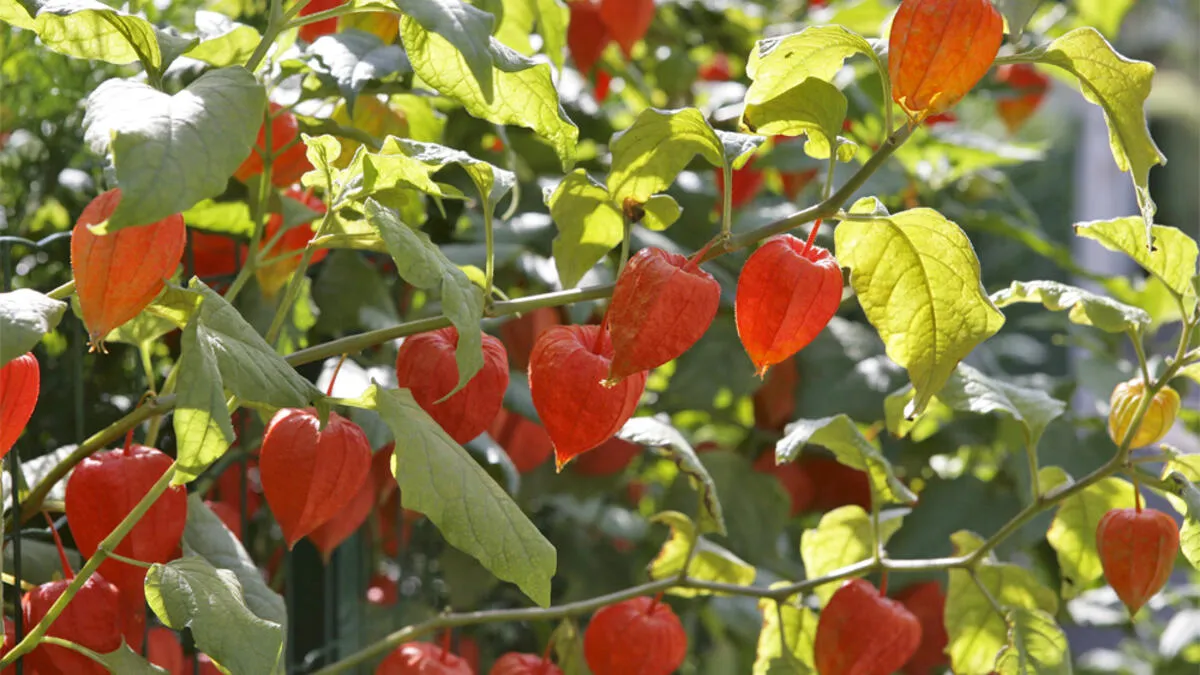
[[439, 479], [813, 107], [969, 390], [250, 368], [467, 29], [354, 59], [421, 263], [15, 14], [1106, 15], [192, 141], [1120, 87], [1184, 471], [798, 628], [778, 65], [589, 225], [1073, 532], [128, 662], [492, 182], [1189, 541], [203, 427], [977, 633], [206, 536], [552, 19], [666, 441], [709, 561], [568, 648], [1173, 260], [659, 144], [191, 593], [1036, 645], [352, 295], [525, 92], [223, 42], [1086, 308], [25, 316], [88, 29], [231, 218], [844, 536], [918, 281], [661, 211], [1018, 13], [840, 436]]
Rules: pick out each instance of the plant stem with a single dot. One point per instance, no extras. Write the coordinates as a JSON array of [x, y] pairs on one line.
[[148, 367], [489, 240], [988, 595], [1135, 336], [276, 22], [67, 644], [38, 632], [1035, 486], [727, 200]]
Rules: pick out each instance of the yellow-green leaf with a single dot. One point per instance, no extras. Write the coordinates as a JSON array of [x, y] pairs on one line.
[[466, 29], [798, 628], [779, 64], [1085, 308], [710, 562], [1120, 87], [661, 211], [977, 633], [1036, 645], [524, 90], [813, 107], [89, 29], [844, 536], [1173, 260], [203, 427], [589, 225], [648, 155], [1106, 15], [840, 436], [1073, 532], [918, 281]]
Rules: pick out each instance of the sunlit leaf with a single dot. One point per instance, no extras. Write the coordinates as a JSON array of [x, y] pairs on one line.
[[1073, 532], [1036, 645], [589, 225], [1173, 260], [709, 562], [844, 536], [1085, 308]]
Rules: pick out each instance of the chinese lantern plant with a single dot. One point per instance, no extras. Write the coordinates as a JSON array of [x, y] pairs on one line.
[[1124, 404], [290, 160], [103, 490], [1137, 549], [861, 632], [641, 636], [514, 663], [20, 382], [423, 658], [119, 273]]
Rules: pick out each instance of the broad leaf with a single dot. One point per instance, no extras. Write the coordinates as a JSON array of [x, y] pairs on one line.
[[1106, 15], [128, 662], [192, 141], [223, 42], [552, 19], [976, 632], [709, 561], [918, 281], [840, 436], [439, 479], [1120, 87], [1187, 472], [844, 536], [354, 59], [1036, 645], [203, 427], [798, 630], [1018, 13], [524, 90], [660, 212], [814, 108], [1085, 308], [464, 28], [589, 225], [250, 368], [778, 65], [26, 316], [88, 29], [969, 390], [658, 434], [492, 182], [1173, 260], [191, 593], [1073, 532], [207, 537], [421, 263], [659, 144], [229, 218]]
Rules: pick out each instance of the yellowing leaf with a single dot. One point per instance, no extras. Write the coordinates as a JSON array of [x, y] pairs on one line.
[[1120, 87], [709, 561], [918, 281], [1173, 260], [843, 537], [779, 64], [589, 225], [524, 90], [813, 107], [1073, 532], [798, 628], [1036, 645], [977, 633], [1086, 308]]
